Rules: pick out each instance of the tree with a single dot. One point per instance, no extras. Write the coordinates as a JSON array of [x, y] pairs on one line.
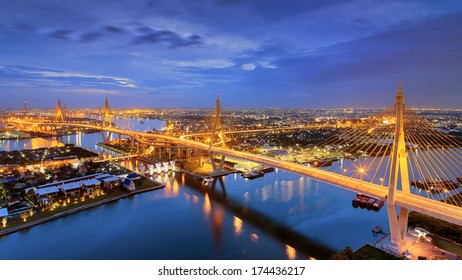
[[345, 254], [15, 173], [24, 216]]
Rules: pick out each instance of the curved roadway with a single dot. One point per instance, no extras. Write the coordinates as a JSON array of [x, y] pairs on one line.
[[426, 206]]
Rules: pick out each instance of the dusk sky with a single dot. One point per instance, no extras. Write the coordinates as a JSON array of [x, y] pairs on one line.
[[256, 53]]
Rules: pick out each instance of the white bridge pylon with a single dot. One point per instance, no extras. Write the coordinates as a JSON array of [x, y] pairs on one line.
[[399, 169], [217, 131]]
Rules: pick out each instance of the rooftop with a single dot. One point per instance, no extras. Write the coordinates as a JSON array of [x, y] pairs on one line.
[[45, 191]]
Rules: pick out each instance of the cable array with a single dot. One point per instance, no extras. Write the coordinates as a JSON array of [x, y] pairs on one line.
[[434, 158]]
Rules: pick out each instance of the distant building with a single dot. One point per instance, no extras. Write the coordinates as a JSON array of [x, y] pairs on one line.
[[15, 134]]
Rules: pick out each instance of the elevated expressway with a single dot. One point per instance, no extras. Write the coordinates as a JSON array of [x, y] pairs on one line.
[[447, 212], [258, 130]]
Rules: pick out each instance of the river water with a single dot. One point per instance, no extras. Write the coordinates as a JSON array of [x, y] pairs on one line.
[[279, 216]]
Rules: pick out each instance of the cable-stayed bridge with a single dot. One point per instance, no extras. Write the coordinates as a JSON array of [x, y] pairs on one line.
[[396, 156]]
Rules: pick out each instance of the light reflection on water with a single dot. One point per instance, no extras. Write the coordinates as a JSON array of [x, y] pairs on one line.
[[184, 221], [238, 224], [291, 253]]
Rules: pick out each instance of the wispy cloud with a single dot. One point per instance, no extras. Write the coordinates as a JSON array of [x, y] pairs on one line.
[[89, 91], [137, 34], [28, 72], [266, 64], [61, 34], [204, 63], [248, 66], [157, 36]]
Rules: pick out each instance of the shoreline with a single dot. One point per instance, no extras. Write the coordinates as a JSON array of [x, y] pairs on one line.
[[76, 210], [44, 135]]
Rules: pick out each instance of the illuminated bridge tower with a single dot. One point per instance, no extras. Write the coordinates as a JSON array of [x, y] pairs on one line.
[[399, 170], [106, 122], [58, 113], [217, 134]]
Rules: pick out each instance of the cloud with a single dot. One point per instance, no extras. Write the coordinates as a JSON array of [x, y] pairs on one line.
[[91, 91], [61, 34], [248, 66], [266, 64], [205, 63], [90, 37], [28, 72], [114, 29], [172, 39]]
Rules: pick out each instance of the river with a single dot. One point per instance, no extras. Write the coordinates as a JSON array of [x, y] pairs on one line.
[[235, 218]]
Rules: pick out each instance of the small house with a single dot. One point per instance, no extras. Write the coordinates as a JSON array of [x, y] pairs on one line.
[[45, 195], [111, 182], [71, 189], [129, 185], [91, 185]]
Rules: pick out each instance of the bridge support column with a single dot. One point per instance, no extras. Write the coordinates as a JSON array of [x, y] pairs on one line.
[[214, 165], [399, 168], [106, 139], [169, 151], [188, 154], [398, 224]]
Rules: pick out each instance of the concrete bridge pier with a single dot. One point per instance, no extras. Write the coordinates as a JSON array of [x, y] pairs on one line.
[[106, 138]]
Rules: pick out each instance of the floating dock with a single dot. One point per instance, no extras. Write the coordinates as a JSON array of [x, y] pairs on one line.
[[253, 174]]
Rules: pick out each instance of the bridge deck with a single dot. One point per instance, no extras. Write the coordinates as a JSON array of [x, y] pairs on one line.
[[427, 206]]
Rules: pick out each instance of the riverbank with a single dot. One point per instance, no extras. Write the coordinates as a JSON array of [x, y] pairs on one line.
[[202, 172], [114, 148], [143, 185]]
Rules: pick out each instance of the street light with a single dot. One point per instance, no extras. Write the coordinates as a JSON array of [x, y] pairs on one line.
[[361, 172], [381, 181]]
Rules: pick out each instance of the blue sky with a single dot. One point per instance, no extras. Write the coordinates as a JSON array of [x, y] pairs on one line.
[[256, 53]]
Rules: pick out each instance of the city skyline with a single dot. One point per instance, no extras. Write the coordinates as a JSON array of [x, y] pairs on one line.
[[164, 54]]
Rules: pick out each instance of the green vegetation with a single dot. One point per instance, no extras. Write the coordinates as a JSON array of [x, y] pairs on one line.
[[205, 168], [446, 245], [145, 183], [122, 149], [366, 252], [436, 226], [345, 254]]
